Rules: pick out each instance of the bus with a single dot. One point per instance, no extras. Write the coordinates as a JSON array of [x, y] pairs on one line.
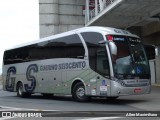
[[86, 62]]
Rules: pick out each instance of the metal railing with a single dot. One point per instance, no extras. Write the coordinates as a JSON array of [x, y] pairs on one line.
[[101, 5]]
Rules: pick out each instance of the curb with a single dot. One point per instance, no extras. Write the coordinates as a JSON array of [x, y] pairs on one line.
[[156, 85]]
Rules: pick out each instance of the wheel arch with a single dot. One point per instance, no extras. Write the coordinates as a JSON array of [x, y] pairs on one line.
[[74, 82], [18, 82]]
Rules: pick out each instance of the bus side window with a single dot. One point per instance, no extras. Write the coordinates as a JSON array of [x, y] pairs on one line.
[[92, 40], [97, 52], [74, 47], [102, 64]]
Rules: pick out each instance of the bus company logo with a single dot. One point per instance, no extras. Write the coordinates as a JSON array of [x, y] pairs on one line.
[[6, 114], [64, 66]]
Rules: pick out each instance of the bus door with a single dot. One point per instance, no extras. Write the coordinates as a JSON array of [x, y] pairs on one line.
[[102, 68]]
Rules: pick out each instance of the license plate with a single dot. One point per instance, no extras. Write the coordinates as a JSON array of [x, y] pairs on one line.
[[137, 90]]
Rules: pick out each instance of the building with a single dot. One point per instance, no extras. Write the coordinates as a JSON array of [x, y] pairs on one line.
[[141, 17], [58, 16]]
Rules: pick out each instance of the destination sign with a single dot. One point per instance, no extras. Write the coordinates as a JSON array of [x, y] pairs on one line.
[[118, 39], [124, 38]]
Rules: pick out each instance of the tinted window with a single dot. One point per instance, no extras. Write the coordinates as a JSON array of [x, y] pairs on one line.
[[16, 56], [65, 47], [102, 63], [73, 46], [150, 51], [97, 52]]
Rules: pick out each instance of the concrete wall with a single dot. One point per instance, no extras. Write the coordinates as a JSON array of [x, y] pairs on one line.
[[158, 57], [135, 30], [150, 34], [58, 16], [153, 37]]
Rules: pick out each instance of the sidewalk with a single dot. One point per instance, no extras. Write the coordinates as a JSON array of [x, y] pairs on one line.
[[156, 85]]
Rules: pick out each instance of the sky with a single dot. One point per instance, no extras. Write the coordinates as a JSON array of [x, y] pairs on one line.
[[19, 23]]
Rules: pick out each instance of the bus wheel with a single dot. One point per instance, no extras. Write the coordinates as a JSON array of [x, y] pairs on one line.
[[79, 93], [20, 92], [112, 98], [47, 95]]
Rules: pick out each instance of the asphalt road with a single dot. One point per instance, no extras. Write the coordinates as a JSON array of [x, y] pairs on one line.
[[66, 106]]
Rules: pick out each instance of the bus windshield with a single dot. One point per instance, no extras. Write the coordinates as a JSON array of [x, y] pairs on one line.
[[131, 60]]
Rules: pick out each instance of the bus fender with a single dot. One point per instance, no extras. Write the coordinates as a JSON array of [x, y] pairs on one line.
[[75, 81], [19, 81]]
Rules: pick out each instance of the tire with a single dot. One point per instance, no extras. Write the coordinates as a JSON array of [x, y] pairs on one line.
[[112, 98], [78, 93], [20, 92], [47, 95]]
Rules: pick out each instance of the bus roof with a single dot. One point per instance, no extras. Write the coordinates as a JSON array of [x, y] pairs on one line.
[[108, 30]]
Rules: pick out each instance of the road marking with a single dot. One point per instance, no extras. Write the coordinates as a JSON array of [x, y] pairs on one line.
[[2, 108], [100, 118], [6, 118]]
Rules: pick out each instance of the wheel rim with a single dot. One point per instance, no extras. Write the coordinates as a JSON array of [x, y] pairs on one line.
[[20, 90], [80, 92]]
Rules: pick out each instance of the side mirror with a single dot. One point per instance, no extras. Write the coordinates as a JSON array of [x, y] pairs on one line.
[[113, 48]]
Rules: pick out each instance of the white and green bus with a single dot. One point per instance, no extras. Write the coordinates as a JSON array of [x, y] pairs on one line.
[[86, 62]]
